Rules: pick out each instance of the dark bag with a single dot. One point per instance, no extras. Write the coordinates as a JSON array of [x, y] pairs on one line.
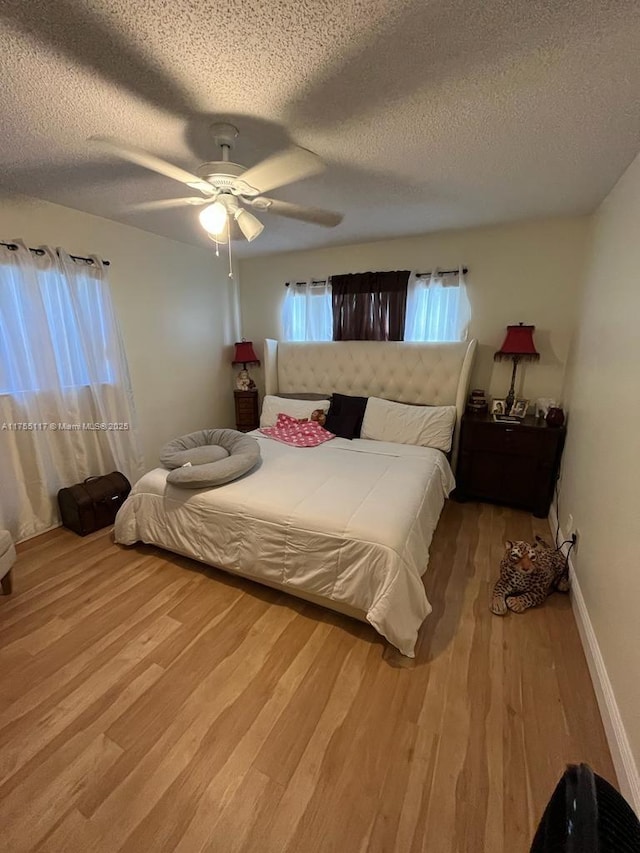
[[93, 504]]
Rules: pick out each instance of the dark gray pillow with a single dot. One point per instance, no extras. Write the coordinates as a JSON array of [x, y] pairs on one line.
[[209, 457]]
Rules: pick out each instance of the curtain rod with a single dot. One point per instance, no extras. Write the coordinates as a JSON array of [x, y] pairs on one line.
[[13, 247], [465, 270]]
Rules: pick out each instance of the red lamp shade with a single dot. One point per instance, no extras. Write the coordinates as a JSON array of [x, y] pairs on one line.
[[244, 353], [518, 344]]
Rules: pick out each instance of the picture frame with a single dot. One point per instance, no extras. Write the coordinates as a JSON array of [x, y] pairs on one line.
[[519, 408], [498, 407]]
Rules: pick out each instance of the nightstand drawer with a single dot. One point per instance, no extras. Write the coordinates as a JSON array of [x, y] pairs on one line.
[[516, 439], [247, 414]]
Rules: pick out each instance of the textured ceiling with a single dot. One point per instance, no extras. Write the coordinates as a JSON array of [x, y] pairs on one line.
[[430, 113]]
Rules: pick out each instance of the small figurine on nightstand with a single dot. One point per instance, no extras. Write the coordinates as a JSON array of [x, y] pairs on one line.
[[244, 382]]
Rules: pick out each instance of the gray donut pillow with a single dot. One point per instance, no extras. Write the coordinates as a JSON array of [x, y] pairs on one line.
[[209, 457]]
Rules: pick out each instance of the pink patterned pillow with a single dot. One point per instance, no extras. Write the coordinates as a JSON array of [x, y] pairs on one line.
[[297, 433]]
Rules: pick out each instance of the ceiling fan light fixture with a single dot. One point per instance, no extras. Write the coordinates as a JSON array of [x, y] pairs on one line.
[[213, 218], [249, 224], [227, 187]]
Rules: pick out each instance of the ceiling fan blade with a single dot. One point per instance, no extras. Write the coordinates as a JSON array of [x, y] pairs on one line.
[[285, 167], [168, 203], [150, 161], [314, 215]]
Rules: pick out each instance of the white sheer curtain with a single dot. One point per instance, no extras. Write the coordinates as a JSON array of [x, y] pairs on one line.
[[307, 313], [438, 308], [66, 406]]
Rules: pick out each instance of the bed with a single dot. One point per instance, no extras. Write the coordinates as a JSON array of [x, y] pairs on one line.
[[346, 524]]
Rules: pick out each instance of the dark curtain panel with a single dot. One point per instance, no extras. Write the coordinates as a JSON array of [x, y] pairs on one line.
[[369, 306]]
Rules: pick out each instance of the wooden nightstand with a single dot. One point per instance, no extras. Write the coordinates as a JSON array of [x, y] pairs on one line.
[[513, 464], [247, 414]]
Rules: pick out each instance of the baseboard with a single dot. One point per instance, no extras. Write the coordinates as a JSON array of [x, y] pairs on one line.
[[623, 760]]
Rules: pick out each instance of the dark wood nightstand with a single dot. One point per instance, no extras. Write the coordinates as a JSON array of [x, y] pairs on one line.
[[514, 464], [247, 414]]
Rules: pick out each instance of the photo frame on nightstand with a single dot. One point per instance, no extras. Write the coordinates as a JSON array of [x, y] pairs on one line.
[[519, 408]]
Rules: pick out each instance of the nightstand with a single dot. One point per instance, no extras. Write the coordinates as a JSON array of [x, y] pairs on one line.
[[247, 415], [513, 464]]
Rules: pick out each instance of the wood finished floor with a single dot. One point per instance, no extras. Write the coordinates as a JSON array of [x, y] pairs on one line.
[[147, 704]]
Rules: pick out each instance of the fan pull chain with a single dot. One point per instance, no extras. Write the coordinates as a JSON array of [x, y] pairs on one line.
[[229, 245]]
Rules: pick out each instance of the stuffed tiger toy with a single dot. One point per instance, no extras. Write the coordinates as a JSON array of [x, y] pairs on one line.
[[528, 573]]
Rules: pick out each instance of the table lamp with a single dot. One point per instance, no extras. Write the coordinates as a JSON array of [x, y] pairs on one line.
[[518, 346], [244, 355]]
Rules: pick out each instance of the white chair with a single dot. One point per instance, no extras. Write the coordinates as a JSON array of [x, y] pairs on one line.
[[7, 559]]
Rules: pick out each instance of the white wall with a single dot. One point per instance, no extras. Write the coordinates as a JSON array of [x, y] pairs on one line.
[[530, 272], [601, 466], [175, 306]]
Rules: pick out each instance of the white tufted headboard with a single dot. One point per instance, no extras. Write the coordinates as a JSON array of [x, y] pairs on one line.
[[426, 374]]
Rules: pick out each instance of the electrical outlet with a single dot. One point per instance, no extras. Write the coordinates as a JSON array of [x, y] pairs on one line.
[[575, 536]]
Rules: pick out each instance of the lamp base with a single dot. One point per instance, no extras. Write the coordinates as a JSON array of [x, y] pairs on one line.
[[511, 396]]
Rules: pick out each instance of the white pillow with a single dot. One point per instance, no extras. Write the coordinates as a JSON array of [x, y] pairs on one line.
[[426, 426], [272, 406]]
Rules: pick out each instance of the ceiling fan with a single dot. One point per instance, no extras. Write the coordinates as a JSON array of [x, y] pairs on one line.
[[228, 189]]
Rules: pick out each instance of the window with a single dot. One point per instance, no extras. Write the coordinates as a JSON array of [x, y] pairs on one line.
[[307, 313], [69, 329], [54, 327], [64, 383], [438, 308]]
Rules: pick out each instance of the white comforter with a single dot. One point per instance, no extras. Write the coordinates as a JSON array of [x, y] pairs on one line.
[[350, 521]]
